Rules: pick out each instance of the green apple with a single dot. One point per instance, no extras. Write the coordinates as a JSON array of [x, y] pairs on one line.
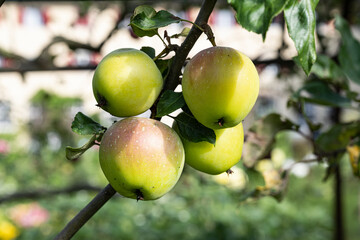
[[141, 158], [126, 82], [220, 86], [217, 159]]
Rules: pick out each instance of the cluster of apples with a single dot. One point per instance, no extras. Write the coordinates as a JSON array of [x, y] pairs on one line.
[[143, 158]]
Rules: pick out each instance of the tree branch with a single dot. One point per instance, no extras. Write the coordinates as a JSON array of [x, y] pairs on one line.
[[46, 193], [86, 213], [175, 69], [172, 81]]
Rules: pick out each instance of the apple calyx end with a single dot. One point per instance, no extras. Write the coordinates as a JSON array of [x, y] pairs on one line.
[[229, 172], [101, 100], [221, 122], [139, 195]]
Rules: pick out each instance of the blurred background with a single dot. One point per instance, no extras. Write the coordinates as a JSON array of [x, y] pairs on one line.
[[48, 52]]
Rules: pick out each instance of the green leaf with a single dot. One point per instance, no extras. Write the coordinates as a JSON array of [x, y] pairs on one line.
[[300, 19], [84, 125], [146, 12], [164, 66], [183, 33], [256, 15], [261, 137], [73, 154], [186, 109], [192, 130], [149, 51], [169, 102], [319, 92], [325, 68], [349, 55], [338, 137], [146, 21]]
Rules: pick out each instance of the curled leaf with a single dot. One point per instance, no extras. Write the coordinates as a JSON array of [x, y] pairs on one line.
[[84, 125], [73, 154]]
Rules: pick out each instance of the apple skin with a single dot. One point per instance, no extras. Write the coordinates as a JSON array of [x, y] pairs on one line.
[[217, 159], [126, 82], [220, 86], [141, 158]]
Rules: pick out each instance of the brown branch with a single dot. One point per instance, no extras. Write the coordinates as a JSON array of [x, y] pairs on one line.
[[173, 78], [47, 193], [175, 70], [86, 213]]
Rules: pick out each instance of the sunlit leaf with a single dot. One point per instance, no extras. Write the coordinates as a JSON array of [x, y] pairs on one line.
[[146, 12], [146, 21], [257, 15], [301, 21], [84, 125]]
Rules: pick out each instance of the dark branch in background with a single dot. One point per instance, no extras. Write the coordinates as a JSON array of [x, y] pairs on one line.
[[339, 225], [1, 2], [43, 61], [86, 213], [47, 193], [33, 68]]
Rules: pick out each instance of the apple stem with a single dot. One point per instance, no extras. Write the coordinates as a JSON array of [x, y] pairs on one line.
[[139, 195], [229, 171]]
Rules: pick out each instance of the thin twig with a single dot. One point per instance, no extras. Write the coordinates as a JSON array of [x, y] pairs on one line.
[[86, 213], [102, 197]]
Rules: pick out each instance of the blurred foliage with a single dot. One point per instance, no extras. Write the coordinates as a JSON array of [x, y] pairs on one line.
[[199, 207]]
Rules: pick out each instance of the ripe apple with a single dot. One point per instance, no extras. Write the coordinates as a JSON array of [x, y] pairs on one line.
[[126, 82], [220, 86], [141, 158], [217, 159]]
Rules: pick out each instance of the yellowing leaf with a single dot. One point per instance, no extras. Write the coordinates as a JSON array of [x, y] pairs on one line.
[[354, 155]]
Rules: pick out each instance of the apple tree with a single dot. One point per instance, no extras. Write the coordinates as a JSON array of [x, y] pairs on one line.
[[219, 88]]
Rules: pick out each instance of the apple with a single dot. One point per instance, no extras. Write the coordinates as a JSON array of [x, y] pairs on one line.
[[126, 82], [141, 158], [220, 86], [217, 159]]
